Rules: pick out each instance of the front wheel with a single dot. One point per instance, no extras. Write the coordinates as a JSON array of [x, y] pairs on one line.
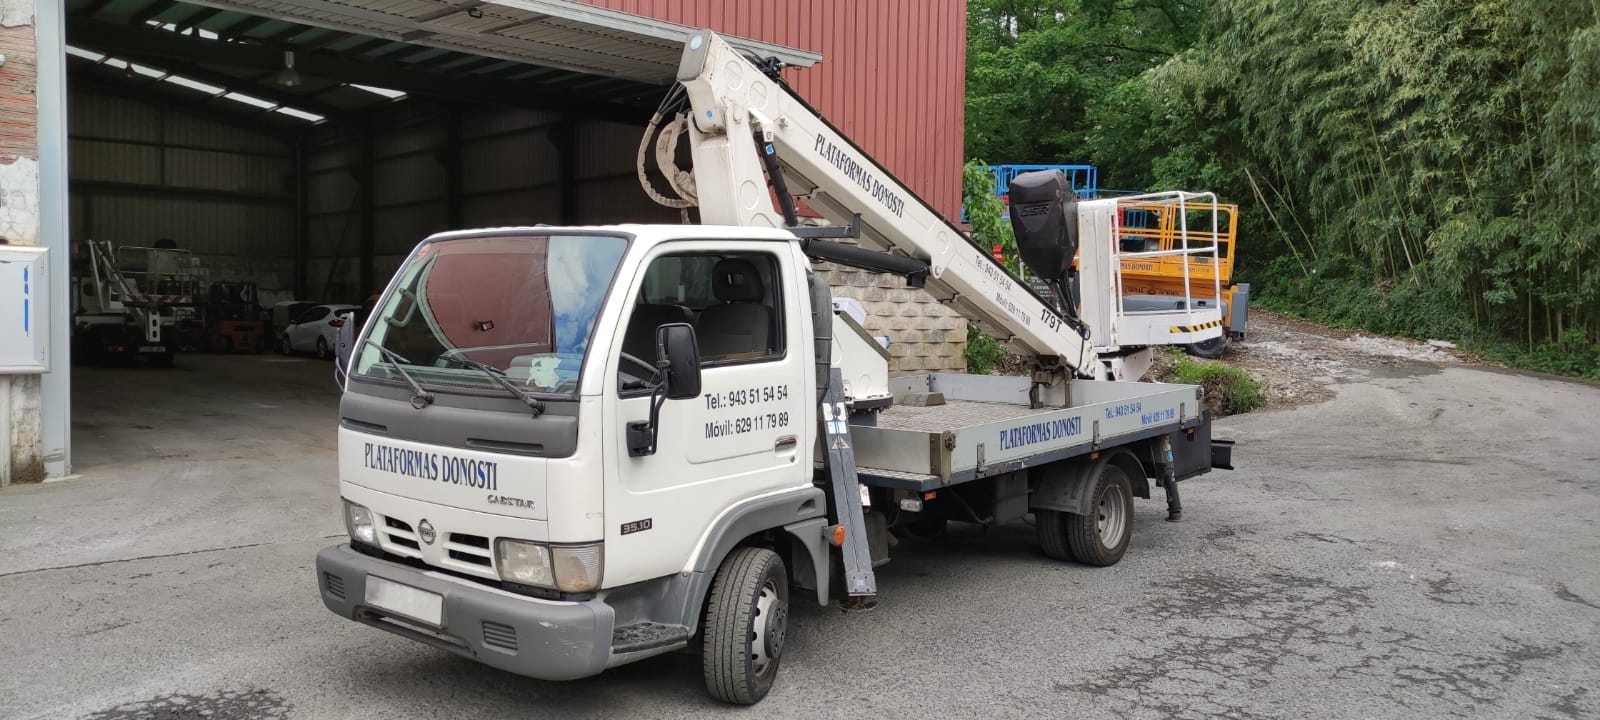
[[746, 622], [284, 346]]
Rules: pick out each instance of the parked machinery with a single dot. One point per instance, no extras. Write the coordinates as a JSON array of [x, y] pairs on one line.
[[127, 301], [234, 319]]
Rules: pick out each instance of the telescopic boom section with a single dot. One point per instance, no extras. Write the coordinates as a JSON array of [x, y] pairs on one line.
[[739, 115]]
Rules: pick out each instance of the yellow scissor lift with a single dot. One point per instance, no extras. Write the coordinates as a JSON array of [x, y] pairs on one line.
[[1154, 277]]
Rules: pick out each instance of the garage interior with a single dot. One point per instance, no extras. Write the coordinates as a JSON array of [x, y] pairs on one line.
[[304, 150]]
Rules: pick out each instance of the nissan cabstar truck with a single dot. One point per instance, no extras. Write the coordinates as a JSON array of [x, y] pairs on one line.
[[563, 449]]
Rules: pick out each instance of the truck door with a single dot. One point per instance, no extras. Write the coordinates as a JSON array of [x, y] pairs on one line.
[[743, 437]]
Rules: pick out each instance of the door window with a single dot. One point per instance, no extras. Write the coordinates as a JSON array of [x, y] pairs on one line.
[[732, 300]]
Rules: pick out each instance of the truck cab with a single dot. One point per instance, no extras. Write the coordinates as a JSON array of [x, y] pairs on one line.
[[529, 532]]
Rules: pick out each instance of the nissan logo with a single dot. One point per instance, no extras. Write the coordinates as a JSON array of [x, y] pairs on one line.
[[425, 531]]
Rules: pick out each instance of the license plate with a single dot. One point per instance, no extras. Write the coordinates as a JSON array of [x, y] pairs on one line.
[[419, 605], [152, 348]]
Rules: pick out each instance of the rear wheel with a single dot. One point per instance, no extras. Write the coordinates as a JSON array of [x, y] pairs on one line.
[[322, 350], [1053, 534], [1102, 537], [745, 627]]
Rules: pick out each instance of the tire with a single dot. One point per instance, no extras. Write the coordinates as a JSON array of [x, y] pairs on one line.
[[745, 626], [1053, 534], [1209, 349], [284, 346], [1102, 538], [322, 350]]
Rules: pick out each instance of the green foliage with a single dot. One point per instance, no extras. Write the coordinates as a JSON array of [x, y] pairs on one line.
[[1229, 390], [987, 213], [989, 228], [1422, 168], [984, 353], [1035, 66]]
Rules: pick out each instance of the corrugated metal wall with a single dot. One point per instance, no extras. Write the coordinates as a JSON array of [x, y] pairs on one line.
[[511, 176], [140, 173], [892, 76]]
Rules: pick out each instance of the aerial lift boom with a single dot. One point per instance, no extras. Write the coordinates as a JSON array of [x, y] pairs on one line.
[[740, 116], [747, 131]]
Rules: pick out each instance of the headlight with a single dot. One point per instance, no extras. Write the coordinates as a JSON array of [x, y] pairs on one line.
[[578, 567], [569, 568], [523, 562], [358, 522]]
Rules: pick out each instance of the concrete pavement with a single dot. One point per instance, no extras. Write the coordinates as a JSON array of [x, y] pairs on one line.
[[1421, 546]]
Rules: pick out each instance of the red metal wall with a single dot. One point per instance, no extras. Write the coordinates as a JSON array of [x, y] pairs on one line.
[[892, 76]]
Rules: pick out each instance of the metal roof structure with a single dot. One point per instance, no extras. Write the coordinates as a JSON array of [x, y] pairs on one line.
[[283, 66]]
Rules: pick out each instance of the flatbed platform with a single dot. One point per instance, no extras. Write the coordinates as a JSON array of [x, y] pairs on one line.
[[986, 427]]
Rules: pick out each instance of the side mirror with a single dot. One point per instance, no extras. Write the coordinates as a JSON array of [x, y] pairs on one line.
[[678, 357], [678, 360], [344, 342]]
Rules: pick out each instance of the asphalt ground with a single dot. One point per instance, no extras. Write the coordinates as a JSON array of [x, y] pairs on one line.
[[1422, 545]]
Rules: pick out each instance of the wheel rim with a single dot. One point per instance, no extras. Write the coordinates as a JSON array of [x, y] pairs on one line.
[[769, 627], [1111, 517]]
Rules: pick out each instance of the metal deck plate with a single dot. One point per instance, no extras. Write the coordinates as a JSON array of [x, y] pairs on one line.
[[952, 414]]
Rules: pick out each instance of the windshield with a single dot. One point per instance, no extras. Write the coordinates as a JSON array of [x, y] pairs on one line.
[[525, 305]]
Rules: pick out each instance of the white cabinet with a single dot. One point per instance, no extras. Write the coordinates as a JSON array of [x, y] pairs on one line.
[[24, 309]]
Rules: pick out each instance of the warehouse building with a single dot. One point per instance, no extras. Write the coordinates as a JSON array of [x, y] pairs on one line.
[[296, 151]]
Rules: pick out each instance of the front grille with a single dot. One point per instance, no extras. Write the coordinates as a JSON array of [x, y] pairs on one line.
[[334, 583], [500, 636], [468, 549], [401, 538], [469, 558]]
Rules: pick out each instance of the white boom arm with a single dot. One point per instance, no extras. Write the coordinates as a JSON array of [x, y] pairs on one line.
[[738, 112]]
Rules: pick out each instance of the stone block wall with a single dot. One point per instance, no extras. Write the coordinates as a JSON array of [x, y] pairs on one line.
[[924, 336]]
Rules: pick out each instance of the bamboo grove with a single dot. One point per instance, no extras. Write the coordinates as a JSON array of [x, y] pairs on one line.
[[1428, 168]]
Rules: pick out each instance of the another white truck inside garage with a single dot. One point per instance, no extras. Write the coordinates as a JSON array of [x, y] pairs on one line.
[[563, 449]]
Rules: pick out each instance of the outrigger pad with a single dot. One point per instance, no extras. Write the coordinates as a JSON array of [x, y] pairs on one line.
[[1044, 218]]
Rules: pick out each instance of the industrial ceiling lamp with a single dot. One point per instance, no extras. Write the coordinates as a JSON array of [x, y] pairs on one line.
[[288, 77]]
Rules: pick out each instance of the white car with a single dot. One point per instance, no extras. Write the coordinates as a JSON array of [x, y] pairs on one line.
[[312, 331]]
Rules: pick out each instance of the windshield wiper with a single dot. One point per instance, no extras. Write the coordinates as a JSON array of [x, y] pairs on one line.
[[499, 376], [422, 398]]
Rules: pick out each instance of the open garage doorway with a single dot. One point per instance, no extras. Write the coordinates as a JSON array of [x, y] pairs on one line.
[[241, 172]]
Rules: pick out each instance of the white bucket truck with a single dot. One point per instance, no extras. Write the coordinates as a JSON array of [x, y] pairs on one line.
[[563, 449]]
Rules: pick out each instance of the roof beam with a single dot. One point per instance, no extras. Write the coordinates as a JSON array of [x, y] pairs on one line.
[[194, 20], [81, 80], [442, 35], [185, 49], [92, 9], [149, 13], [328, 37], [362, 20], [364, 47], [248, 86], [238, 29]]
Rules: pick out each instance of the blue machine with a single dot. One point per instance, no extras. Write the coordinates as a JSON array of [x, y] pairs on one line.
[[1084, 179]]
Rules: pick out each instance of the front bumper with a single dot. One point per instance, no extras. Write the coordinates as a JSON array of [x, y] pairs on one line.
[[544, 639]]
